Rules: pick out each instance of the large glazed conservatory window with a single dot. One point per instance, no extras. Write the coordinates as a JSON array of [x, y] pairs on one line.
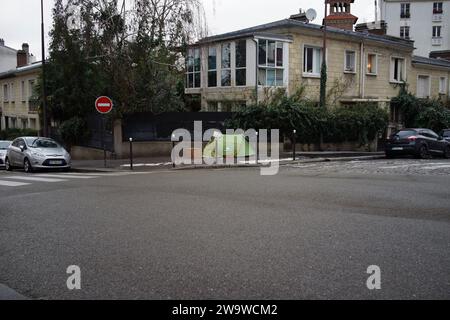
[[212, 67], [241, 63], [226, 65], [271, 64], [193, 73]]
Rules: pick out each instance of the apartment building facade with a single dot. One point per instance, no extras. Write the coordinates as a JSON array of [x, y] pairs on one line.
[[427, 22], [18, 109], [240, 68]]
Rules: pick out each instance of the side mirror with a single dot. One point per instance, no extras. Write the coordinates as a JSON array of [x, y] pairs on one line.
[[441, 138], [23, 148]]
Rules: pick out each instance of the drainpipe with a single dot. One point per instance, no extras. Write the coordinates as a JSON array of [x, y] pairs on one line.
[[362, 80], [256, 69]]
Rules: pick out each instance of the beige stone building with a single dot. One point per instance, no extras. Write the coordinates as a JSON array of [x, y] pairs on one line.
[[17, 108], [235, 69]]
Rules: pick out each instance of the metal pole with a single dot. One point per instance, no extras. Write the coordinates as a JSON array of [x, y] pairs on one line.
[[103, 140], [131, 153], [257, 147], [294, 143], [44, 93], [173, 147]]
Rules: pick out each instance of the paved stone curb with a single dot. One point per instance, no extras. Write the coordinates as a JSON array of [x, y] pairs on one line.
[[314, 160]]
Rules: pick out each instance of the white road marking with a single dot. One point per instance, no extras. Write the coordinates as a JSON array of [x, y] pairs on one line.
[[36, 179], [12, 183], [59, 176], [436, 167]]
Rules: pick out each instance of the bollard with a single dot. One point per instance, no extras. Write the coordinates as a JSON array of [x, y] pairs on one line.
[[131, 153], [294, 142], [257, 147], [173, 147]]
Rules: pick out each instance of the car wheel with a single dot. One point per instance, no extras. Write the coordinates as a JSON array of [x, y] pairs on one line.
[[447, 153], [27, 166], [423, 152], [8, 166]]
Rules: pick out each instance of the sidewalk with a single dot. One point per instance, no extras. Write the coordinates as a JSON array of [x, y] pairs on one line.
[[164, 163], [121, 164]]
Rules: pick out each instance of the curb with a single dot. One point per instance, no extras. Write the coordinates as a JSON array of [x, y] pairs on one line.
[[314, 160], [94, 170]]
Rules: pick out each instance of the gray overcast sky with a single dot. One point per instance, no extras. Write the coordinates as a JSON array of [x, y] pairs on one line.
[[20, 19]]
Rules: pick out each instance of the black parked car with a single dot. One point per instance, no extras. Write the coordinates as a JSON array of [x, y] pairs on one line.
[[417, 142], [446, 134]]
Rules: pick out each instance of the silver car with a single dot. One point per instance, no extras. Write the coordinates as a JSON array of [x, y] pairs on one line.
[[3, 149], [32, 153]]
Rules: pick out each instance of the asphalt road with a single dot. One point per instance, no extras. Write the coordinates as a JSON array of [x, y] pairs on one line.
[[310, 232]]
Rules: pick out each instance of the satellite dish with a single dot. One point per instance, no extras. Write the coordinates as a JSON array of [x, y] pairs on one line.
[[311, 14]]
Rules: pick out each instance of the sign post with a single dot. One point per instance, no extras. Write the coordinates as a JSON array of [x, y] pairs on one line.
[[103, 105]]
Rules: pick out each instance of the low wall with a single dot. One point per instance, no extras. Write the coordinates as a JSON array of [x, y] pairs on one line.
[[84, 153], [146, 149], [343, 146]]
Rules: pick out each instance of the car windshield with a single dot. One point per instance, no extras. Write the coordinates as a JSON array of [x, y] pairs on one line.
[[405, 134], [42, 143], [4, 145]]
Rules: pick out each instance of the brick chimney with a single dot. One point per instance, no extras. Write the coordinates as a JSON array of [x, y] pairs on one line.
[[340, 15], [23, 56], [378, 28]]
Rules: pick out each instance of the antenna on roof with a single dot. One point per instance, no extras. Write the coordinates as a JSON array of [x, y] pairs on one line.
[[311, 14]]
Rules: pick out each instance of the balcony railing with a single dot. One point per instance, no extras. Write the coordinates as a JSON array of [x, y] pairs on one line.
[[33, 106], [438, 11], [436, 41], [437, 17], [405, 15]]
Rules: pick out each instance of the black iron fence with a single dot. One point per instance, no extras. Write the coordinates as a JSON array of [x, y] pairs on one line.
[[149, 127]]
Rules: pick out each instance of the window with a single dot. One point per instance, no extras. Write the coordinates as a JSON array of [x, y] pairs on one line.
[[397, 69], [212, 67], [241, 63], [312, 60], [5, 92], [30, 88], [405, 10], [12, 93], [443, 85], [437, 31], [372, 64], [193, 68], [23, 91], [271, 63], [404, 32], [213, 106], [423, 86], [437, 8], [226, 65], [350, 61]]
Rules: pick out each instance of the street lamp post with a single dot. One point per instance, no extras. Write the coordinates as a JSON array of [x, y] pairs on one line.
[[44, 93]]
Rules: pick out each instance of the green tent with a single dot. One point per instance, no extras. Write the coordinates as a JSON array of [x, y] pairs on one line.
[[232, 146]]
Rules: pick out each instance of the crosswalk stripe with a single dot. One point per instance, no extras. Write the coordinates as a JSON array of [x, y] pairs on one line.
[[36, 179], [12, 183], [59, 176]]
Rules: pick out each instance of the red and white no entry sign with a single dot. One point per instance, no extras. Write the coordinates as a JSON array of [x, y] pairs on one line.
[[103, 105]]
